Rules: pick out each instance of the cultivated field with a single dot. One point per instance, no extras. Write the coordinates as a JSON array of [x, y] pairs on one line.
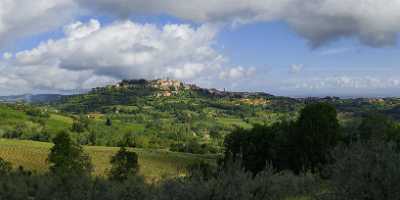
[[154, 164]]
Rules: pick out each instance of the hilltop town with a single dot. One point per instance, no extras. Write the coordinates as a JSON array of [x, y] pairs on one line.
[[169, 87]]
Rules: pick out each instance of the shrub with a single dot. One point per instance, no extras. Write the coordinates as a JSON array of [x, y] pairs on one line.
[[124, 164], [236, 184], [201, 169], [37, 112], [229, 184], [108, 122], [365, 171], [375, 126], [5, 167], [193, 147], [80, 125]]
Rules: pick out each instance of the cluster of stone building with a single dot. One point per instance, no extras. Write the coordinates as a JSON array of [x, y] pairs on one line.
[[167, 87]]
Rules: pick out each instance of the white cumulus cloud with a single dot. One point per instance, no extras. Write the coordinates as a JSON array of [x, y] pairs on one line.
[[90, 55], [20, 18]]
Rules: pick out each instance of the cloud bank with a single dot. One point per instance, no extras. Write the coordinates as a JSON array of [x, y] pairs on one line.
[[90, 55], [374, 23]]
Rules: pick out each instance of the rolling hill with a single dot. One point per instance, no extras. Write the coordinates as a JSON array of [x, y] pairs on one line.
[[162, 114]]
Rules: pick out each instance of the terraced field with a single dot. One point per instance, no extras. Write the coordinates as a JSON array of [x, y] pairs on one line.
[[154, 164]]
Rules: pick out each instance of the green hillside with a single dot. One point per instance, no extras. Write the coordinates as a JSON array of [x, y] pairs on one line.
[[164, 114], [158, 114], [171, 114], [28, 122]]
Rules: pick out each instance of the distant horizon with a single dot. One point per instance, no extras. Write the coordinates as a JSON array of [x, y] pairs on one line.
[[305, 95]]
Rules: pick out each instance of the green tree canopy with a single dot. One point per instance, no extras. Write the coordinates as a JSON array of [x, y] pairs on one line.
[[67, 157], [261, 145], [316, 134], [81, 124], [124, 164], [375, 126]]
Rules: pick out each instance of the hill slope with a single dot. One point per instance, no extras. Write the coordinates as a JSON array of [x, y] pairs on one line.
[[143, 92], [172, 112]]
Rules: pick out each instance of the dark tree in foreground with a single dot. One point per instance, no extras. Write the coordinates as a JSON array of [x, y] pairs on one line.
[[317, 133], [67, 157], [250, 147], [261, 145], [298, 146], [124, 164]]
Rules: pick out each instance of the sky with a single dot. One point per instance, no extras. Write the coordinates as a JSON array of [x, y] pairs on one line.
[[289, 47]]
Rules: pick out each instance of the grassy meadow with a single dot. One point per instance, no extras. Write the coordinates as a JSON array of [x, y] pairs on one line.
[[154, 164]]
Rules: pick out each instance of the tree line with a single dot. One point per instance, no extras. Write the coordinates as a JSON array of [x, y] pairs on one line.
[[306, 143]]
